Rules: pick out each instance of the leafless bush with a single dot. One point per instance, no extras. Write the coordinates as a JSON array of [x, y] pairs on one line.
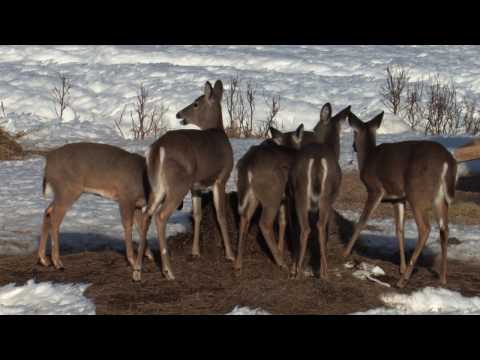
[[471, 118], [273, 104], [443, 111], [391, 91], [235, 106], [414, 104], [61, 95], [241, 105], [146, 121]]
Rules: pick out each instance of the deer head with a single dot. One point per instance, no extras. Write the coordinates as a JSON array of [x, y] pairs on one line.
[[292, 140], [206, 111], [364, 139]]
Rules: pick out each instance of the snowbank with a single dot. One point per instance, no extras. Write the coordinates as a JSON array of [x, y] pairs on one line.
[[427, 301], [45, 299]]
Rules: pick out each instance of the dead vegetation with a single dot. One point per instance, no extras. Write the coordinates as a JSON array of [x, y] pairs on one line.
[[147, 120]]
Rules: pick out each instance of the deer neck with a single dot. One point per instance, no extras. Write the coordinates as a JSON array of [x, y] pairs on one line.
[[215, 121], [365, 150]]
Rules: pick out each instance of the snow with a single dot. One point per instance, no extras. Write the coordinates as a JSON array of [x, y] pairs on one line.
[[105, 79], [245, 310], [45, 299], [427, 301]]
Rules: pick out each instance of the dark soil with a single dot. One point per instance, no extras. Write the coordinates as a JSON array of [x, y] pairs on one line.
[[209, 285]]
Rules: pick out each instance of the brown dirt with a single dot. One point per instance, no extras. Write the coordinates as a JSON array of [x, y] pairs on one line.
[[209, 285]]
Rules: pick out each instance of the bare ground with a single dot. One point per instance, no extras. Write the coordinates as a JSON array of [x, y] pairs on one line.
[[209, 285]]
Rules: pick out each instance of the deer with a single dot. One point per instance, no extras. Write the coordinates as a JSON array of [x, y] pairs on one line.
[[314, 183], [420, 173], [262, 176], [99, 169], [189, 160]]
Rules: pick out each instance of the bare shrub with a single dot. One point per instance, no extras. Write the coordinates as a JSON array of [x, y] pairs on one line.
[[471, 118], [443, 111], [61, 95], [273, 104], [413, 109], [235, 105], [391, 92], [146, 121]]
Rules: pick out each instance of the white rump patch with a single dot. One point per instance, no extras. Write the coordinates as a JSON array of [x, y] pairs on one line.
[[48, 190]]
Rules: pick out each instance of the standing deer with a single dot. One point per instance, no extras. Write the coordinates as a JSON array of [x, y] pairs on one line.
[[262, 179], [315, 180], [190, 160], [101, 169], [423, 173]]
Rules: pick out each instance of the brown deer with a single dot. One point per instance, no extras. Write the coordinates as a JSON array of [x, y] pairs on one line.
[[100, 169], [194, 160], [327, 130], [315, 180], [422, 173], [262, 179]]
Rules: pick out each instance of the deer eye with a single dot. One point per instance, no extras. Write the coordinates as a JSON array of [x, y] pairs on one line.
[[195, 104]]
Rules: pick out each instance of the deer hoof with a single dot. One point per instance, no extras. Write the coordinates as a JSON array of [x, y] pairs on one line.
[[137, 276], [149, 255], [401, 283], [345, 253], [168, 275], [58, 264], [230, 257], [44, 261]]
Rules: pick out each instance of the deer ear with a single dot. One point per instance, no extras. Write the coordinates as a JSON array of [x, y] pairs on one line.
[[208, 90], [342, 115], [298, 136], [276, 135], [377, 121], [355, 122], [326, 112], [218, 90]]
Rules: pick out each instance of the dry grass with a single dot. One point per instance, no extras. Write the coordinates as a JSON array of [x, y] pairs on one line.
[[10, 149]]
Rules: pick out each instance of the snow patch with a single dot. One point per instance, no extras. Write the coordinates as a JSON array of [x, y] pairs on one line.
[[427, 301], [45, 298], [245, 310]]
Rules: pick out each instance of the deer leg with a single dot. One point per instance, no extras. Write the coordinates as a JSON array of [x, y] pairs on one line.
[[197, 219], [220, 202], [323, 215], [423, 226], [373, 200], [42, 247], [282, 225], [399, 210], [245, 219], [266, 226], [171, 203], [143, 223], [441, 212], [127, 214], [302, 215], [56, 218]]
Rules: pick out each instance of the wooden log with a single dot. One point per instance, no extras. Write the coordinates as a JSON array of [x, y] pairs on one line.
[[470, 151]]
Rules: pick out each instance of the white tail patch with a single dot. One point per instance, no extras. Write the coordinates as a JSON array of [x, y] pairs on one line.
[[48, 190], [157, 182], [324, 164], [442, 194], [248, 194], [309, 182]]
